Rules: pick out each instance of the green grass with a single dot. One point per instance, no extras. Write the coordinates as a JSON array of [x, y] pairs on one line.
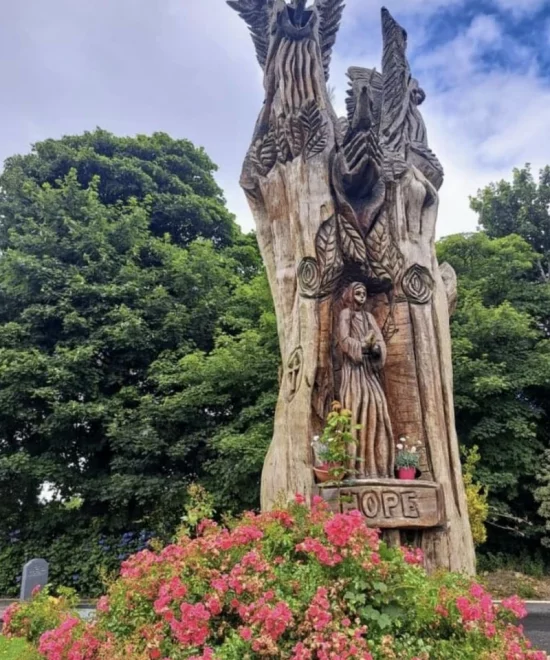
[[16, 649]]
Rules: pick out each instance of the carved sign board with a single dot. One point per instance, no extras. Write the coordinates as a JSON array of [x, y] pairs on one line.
[[390, 503]]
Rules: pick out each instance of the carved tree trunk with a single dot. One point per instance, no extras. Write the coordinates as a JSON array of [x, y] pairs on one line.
[[342, 208]]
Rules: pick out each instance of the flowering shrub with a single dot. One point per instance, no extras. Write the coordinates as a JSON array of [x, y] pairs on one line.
[[30, 619], [296, 584]]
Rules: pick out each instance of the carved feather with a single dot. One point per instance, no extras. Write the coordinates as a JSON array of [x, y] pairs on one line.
[[359, 76], [396, 75], [257, 15], [330, 15]]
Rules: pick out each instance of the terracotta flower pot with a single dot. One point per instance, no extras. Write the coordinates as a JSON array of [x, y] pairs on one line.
[[325, 472], [406, 473]]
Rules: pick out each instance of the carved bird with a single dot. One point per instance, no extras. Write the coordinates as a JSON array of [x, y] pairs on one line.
[[259, 15]]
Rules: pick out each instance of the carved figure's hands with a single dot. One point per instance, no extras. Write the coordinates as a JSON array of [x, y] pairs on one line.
[[368, 342]]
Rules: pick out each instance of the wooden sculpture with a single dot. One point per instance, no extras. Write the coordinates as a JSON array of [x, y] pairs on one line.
[[345, 212]]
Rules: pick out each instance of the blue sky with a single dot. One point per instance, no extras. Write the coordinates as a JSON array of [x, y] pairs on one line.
[[187, 67]]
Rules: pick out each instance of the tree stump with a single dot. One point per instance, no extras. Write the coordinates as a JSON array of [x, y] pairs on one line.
[[346, 211]]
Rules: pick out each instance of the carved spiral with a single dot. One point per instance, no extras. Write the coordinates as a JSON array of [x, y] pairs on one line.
[[418, 285], [309, 277]]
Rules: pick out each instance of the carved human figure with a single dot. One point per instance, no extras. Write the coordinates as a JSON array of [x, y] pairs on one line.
[[364, 355]]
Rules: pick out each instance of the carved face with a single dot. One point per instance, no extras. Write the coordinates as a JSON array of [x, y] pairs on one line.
[[360, 295]]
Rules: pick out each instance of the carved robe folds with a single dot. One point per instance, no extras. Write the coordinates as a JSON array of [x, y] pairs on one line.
[[361, 392]]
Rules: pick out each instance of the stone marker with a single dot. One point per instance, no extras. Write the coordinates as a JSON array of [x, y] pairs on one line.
[[35, 574]]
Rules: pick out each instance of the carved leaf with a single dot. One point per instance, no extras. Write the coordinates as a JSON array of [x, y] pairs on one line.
[[328, 253], [283, 147], [317, 143], [255, 158], [385, 259], [268, 151], [314, 129], [353, 245], [295, 135], [263, 153]]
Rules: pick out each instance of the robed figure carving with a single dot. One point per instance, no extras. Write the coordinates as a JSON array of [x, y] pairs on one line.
[[364, 355]]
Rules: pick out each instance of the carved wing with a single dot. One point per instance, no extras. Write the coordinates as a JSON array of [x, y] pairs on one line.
[[396, 74], [330, 15], [257, 15]]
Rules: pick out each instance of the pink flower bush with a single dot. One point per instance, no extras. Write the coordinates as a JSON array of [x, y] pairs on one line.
[[296, 584]]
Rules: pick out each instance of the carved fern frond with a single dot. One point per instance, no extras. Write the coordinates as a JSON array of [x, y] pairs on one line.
[[330, 15], [257, 15], [353, 245]]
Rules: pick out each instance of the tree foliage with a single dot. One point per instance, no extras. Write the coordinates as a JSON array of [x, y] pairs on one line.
[[502, 352], [136, 344]]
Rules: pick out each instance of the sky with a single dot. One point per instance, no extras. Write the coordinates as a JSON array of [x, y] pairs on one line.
[[187, 67]]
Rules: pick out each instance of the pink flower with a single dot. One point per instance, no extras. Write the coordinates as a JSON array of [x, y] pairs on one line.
[[324, 555], [342, 527], [413, 556], [477, 590], [318, 613], [515, 605], [245, 633]]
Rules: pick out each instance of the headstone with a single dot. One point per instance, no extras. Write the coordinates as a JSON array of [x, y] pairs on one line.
[[35, 574]]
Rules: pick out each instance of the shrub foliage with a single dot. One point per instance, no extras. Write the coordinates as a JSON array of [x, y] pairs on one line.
[[299, 583]]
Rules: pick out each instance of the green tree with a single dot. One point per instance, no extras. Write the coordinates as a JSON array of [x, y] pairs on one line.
[[502, 364], [136, 348], [520, 207]]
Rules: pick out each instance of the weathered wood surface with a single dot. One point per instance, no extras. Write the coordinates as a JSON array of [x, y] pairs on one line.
[[390, 504], [342, 201]]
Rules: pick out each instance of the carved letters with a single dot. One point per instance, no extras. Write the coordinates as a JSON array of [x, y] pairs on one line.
[[389, 504]]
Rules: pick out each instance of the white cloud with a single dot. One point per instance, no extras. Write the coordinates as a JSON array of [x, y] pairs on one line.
[[188, 68], [519, 7]]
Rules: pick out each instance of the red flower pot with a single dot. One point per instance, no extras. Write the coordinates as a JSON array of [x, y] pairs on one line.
[[406, 473], [325, 472]]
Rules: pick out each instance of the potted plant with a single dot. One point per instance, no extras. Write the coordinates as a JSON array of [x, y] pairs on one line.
[[332, 448], [408, 458]]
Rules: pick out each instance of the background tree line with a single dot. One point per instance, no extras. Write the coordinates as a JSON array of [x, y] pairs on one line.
[[138, 352]]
